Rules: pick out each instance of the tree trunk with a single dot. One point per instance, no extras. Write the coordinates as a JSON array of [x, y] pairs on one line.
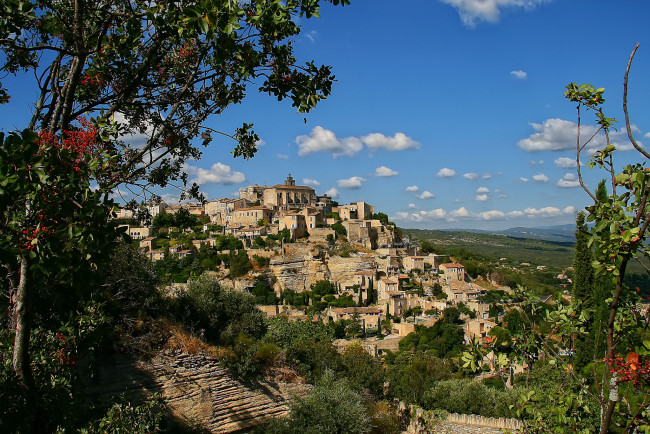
[[23, 327], [612, 398]]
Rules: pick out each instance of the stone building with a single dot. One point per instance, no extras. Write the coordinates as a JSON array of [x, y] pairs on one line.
[[250, 216], [289, 195]]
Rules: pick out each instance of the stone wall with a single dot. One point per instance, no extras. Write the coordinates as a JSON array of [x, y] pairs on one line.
[[319, 235]]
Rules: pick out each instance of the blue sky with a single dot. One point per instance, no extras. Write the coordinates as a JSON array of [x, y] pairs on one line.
[[446, 113]]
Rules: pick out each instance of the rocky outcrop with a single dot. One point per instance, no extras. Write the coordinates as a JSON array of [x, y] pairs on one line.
[[198, 388]]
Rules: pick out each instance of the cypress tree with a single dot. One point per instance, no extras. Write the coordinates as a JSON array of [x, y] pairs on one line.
[[583, 271]]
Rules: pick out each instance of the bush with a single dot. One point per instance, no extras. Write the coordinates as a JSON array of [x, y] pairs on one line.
[[332, 407], [466, 396], [122, 416]]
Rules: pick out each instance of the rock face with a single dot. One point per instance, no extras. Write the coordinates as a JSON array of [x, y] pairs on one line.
[[302, 265], [197, 388]]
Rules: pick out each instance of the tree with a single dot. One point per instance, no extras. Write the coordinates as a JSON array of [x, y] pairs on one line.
[[331, 407], [157, 69], [54, 226], [239, 264]]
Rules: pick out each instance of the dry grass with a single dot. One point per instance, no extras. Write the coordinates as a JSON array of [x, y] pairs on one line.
[[181, 339]]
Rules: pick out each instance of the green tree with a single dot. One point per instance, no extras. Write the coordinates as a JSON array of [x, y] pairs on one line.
[[583, 287], [163, 68], [240, 265], [54, 227], [362, 370], [331, 407]]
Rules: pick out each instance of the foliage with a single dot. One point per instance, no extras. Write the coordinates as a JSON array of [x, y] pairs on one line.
[[123, 416], [443, 339], [220, 314], [339, 229], [427, 247], [240, 265], [363, 371], [467, 396], [413, 373], [181, 219], [306, 344], [332, 407], [263, 293]]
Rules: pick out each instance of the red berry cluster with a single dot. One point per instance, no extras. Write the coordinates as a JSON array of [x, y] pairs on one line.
[[630, 369], [94, 80], [63, 354], [82, 141], [29, 234]]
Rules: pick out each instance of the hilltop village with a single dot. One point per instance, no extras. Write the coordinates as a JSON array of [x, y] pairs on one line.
[[305, 256]]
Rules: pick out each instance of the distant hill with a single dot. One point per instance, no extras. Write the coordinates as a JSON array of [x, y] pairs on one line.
[[496, 245], [559, 233]]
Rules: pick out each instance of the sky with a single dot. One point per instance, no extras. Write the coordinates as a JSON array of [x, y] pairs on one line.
[[445, 113]]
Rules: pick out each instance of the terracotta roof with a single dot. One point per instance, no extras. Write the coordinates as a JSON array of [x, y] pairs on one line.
[[360, 310], [292, 187], [452, 265], [252, 208]]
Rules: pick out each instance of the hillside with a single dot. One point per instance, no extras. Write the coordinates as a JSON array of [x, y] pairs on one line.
[[534, 251]]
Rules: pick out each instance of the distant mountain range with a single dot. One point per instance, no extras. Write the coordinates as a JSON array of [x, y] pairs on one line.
[[559, 233]]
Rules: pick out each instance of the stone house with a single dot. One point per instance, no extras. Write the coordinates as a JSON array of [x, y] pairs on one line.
[[251, 216], [156, 255], [482, 309], [369, 316], [386, 285], [137, 233], [295, 222], [413, 263], [452, 272], [146, 244], [477, 328]]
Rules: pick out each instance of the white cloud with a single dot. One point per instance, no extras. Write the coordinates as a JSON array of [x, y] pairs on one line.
[[283, 156], [311, 182], [569, 180], [426, 195], [520, 75], [541, 178], [332, 192], [492, 215], [471, 176], [536, 162], [465, 214], [385, 172], [311, 35], [322, 140], [570, 177], [446, 173], [549, 211], [482, 190], [412, 188], [473, 11], [486, 176], [553, 135], [482, 197], [412, 206], [522, 179], [218, 173], [559, 135], [399, 142], [565, 162], [353, 183]]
